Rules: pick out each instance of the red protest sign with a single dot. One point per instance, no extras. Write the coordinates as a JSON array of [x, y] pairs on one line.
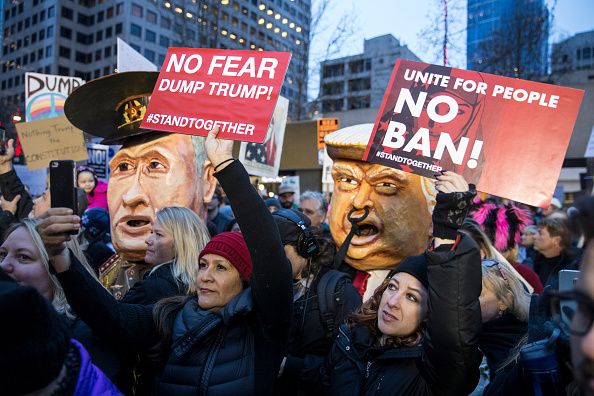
[[507, 136], [200, 88]]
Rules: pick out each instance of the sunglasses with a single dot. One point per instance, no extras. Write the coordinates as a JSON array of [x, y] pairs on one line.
[[492, 263], [577, 306]]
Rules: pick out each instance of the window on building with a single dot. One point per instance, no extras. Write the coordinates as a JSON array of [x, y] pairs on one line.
[[99, 35], [359, 84], [119, 8], [161, 59], [333, 88], [165, 22], [586, 53], [34, 20], [67, 13], [19, 26], [27, 22], [136, 47], [109, 13], [100, 16], [33, 56], [136, 10], [150, 36], [106, 52], [97, 55], [40, 53], [64, 52], [118, 28], [63, 71], [359, 102], [331, 105], [86, 20], [50, 32], [108, 32], [65, 32], [151, 16], [82, 57], [42, 16], [333, 70], [150, 55], [135, 30], [164, 41], [33, 38]]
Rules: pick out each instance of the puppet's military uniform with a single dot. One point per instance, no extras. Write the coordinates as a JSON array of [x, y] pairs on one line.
[[118, 275]]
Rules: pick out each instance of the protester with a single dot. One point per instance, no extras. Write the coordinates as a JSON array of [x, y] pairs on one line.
[[152, 170], [234, 335], [25, 259], [286, 197], [554, 206], [220, 220], [322, 298], [503, 225], [95, 239], [314, 205], [418, 333], [39, 357], [554, 254], [173, 246], [393, 209], [526, 253], [273, 204], [16, 202], [95, 189]]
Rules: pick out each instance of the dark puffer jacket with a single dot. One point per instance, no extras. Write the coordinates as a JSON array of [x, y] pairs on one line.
[[447, 361], [235, 351]]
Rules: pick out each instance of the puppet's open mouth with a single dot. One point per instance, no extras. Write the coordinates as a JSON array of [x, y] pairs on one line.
[[137, 223], [367, 230]]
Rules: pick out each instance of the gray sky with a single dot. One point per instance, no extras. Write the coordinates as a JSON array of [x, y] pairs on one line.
[[406, 20]]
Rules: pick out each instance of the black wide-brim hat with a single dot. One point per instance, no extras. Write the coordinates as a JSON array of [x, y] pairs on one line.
[[113, 106]]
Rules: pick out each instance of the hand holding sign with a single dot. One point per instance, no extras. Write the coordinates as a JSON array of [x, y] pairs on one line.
[[201, 89]]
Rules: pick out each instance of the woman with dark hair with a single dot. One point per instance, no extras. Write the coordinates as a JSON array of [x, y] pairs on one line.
[[417, 335], [322, 298], [229, 339]]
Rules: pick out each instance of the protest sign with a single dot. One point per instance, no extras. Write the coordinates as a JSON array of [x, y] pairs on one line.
[[507, 136], [263, 159], [98, 160], [128, 59], [50, 139], [45, 94], [326, 126], [199, 89]]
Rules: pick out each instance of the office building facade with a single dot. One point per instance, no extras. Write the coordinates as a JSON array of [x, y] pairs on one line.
[[78, 38], [359, 81]]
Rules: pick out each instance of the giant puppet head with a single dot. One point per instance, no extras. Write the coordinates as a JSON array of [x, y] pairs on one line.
[[400, 204], [152, 170]]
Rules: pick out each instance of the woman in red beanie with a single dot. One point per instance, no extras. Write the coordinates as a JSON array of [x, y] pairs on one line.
[[228, 341]]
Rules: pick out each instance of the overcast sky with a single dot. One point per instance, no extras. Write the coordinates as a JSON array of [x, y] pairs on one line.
[[406, 20]]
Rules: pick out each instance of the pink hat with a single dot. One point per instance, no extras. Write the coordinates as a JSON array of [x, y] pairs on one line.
[[231, 246]]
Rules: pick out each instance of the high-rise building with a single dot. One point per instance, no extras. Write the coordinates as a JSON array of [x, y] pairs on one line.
[[574, 56], [508, 37], [359, 81], [78, 38]]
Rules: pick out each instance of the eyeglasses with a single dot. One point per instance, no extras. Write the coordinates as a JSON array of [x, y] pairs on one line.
[[576, 306], [491, 263]]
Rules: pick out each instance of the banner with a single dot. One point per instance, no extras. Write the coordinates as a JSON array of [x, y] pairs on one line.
[[50, 139], [199, 89], [263, 159], [128, 59], [507, 136], [45, 94]]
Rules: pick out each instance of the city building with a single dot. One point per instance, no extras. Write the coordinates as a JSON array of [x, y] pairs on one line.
[[508, 37], [573, 58], [78, 38], [352, 87]]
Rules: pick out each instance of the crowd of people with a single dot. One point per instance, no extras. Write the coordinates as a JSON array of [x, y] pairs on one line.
[[236, 294]]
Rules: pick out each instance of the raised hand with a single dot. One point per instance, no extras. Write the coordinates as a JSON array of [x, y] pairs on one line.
[[218, 151]]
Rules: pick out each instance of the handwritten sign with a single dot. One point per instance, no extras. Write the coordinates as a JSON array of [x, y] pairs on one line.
[[45, 94], [50, 139], [199, 89]]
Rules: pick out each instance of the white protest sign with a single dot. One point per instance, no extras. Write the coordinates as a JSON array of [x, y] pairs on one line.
[[128, 59]]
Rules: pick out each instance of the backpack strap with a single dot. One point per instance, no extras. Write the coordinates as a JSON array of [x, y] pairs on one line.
[[327, 298]]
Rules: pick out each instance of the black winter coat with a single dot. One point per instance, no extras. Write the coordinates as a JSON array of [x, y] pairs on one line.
[[447, 361], [254, 326], [155, 286], [309, 341]]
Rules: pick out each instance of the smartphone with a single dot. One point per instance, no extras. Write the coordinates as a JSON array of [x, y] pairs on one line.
[[567, 280], [62, 185]]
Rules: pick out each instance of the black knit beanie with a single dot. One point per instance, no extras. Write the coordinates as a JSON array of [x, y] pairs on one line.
[[34, 340], [415, 266]]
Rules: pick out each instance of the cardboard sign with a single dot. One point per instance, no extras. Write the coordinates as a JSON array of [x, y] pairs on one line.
[[99, 160], [263, 159], [45, 94], [507, 136], [326, 126], [50, 139], [199, 89]]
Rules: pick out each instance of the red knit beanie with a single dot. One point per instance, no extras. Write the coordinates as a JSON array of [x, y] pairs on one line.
[[231, 246]]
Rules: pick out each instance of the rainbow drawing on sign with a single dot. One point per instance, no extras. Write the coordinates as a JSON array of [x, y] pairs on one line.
[[45, 105]]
